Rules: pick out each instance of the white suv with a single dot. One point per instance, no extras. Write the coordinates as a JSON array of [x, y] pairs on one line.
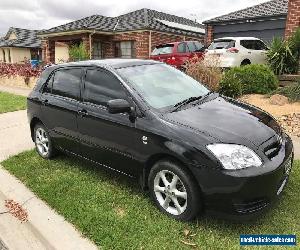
[[237, 51]]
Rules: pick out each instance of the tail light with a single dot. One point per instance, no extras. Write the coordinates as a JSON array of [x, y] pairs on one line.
[[233, 50], [171, 60]]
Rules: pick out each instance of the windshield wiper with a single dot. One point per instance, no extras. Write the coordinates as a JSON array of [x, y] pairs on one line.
[[189, 100]]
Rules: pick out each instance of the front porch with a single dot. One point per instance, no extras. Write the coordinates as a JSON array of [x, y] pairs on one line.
[[98, 46]]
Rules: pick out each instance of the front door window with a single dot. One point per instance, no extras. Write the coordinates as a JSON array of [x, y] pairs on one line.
[[97, 50]]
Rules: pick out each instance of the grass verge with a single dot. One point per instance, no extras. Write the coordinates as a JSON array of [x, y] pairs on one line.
[[113, 212], [10, 102]]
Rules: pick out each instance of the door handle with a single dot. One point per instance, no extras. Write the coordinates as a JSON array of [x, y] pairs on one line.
[[249, 52], [82, 112]]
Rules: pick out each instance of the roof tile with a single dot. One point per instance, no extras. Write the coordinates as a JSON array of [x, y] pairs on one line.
[[271, 8]]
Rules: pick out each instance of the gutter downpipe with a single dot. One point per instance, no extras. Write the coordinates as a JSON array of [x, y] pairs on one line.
[[90, 41]]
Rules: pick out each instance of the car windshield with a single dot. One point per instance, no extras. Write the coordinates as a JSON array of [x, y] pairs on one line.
[[163, 49], [162, 86], [222, 44]]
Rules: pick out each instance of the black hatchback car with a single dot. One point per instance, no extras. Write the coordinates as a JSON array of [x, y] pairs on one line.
[[192, 148]]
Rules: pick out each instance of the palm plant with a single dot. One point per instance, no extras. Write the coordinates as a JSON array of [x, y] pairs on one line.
[[280, 57], [283, 55]]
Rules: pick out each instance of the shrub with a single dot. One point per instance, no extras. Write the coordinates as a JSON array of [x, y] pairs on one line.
[[283, 55], [292, 92], [207, 72], [78, 52], [17, 69], [231, 84], [254, 78]]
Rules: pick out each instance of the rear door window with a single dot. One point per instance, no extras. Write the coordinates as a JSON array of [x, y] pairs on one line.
[[259, 45], [253, 44], [199, 46], [192, 47], [222, 44], [182, 48], [102, 86], [67, 82], [248, 44], [163, 49]]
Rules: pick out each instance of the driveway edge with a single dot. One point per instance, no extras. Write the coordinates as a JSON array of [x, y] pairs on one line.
[[45, 227]]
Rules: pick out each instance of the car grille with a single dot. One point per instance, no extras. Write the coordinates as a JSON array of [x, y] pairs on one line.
[[251, 206]]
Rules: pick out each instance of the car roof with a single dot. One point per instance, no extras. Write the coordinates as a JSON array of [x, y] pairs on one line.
[[236, 38], [112, 63], [177, 42]]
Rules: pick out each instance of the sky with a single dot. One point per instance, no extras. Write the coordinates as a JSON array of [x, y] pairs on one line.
[[43, 14]]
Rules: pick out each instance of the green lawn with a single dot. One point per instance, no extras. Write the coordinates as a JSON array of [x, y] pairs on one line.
[[113, 212], [10, 102]]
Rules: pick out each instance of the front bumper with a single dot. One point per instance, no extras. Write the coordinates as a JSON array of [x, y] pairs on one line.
[[246, 193]]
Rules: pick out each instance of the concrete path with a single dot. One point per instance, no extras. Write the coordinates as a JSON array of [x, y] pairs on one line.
[[15, 90], [14, 134], [45, 229]]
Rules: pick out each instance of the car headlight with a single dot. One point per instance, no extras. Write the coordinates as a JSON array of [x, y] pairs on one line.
[[234, 156]]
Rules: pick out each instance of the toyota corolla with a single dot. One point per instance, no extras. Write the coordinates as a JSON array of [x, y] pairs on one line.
[[193, 149]]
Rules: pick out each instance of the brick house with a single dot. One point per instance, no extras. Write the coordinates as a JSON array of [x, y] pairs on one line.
[[293, 18], [132, 35], [19, 45]]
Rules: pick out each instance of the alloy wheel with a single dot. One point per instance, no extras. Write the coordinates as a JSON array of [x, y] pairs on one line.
[[170, 192], [42, 141]]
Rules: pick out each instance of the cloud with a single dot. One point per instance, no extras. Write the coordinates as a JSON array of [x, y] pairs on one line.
[[44, 14]]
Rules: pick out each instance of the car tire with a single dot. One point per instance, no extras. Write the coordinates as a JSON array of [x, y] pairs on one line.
[[43, 142], [174, 190]]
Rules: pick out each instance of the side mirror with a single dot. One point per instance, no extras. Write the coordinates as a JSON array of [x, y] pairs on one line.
[[118, 106]]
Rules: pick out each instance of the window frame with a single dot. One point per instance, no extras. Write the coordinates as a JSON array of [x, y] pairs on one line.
[[264, 46], [86, 69], [186, 48], [52, 77], [192, 44], [118, 50]]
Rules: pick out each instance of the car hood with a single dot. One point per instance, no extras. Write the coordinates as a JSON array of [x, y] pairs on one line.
[[228, 121]]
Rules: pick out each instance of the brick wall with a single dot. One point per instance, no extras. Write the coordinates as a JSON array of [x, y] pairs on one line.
[[158, 38], [293, 19], [86, 43], [48, 51], [209, 34], [141, 39]]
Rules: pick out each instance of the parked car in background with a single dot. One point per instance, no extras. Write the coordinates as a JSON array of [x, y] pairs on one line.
[[177, 53], [237, 51], [192, 148]]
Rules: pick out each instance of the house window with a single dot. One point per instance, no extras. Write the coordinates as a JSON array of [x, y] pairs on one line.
[[97, 50], [4, 57], [125, 49], [9, 57]]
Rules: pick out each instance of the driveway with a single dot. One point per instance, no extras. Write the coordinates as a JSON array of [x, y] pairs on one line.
[[14, 134], [45, 229], [15, 90]]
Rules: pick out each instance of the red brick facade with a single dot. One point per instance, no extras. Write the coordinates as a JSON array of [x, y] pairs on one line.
[[48, 50], [209, 34], [143, 41], [293, 18]]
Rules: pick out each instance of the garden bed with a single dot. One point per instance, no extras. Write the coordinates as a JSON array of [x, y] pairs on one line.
[[288, 115]]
